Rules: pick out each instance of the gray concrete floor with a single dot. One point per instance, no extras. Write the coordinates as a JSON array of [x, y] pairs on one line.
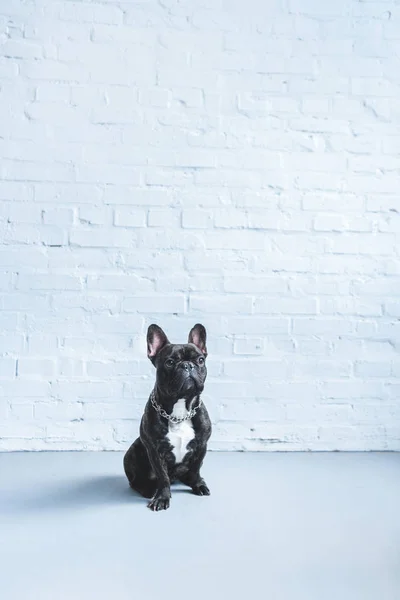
[[277, 527]]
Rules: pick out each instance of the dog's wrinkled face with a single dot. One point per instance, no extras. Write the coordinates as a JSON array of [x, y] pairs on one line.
[[181, 368]]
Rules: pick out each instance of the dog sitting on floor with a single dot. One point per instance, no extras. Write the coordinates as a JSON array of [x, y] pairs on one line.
[[175, 426]]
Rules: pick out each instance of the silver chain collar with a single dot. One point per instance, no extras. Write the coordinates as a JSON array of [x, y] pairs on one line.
[[190, 414]]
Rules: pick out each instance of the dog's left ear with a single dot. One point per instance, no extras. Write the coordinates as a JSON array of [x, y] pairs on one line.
[[198, 337]]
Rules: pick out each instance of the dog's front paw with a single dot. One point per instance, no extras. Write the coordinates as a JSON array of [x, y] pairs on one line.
[[201, 489], [160, 501]]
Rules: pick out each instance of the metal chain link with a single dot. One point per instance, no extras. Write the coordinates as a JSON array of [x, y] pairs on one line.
[[190, 414]]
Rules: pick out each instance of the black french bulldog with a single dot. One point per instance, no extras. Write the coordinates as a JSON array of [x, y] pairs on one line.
[[175, 426]]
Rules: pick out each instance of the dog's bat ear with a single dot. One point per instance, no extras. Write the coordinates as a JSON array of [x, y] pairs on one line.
[[198, 337], [156, 339]]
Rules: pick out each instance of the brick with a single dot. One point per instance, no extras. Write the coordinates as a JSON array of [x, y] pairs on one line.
[[276, 263], [22, 49], [322, 326], [197, 219], [346, 263], [53, 70], [315, 9], [313, 347], [228, 305], [25, 389], [81, 258], [272, 369], [175, 283], [19, 192], [165, 239], [10, 321], [313, 161], [13, 213], [48, 281], [323, 285], [248, 346], [200, 262], [164, 218], [106, 238], [373, 369], [350, 306], [257, 325], [142, 259], [286, 306], [229, 218], [100, 411], [84, 390], [336, 203], [64, 411], [53, 92], [37, 368], [362, 244], [69, 367], [238, 240], [361, 183], [16, 233], [392, 308], [66, 194], [85, 303], [11, 344], [17, 429], [58, 216], [117, 194], [7, 368], [53, 236], [119, 282], [295, 223], [94, 215], [6, 282], [130, 217], [101, 369], [168, 177], [321, 368], [152, 304], [329, 223], [90, 13], [124, 429], [205, 283], [382, 203], [24, 302], [378, 287], [108, 174], [300, 245], [261, 412], [372, 86], [266, 285], [154, 97]]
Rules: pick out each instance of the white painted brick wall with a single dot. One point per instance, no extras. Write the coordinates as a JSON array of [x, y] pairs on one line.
[[234, 163]]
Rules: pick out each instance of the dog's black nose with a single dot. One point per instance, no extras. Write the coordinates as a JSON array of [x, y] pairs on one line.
[[188, 366]]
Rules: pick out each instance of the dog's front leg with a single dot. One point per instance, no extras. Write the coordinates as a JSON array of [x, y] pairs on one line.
[[193, 478], [161, 498]]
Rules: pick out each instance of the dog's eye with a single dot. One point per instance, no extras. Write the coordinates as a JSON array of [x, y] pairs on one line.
[[169, 363], [201, 360]]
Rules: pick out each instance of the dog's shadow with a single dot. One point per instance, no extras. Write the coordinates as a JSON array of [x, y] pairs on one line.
[[75, 495]]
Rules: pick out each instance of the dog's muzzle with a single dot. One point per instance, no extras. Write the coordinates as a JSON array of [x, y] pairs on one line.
[[187, 366]]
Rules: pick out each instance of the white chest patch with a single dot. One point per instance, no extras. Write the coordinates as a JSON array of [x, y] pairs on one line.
[[180, 434]]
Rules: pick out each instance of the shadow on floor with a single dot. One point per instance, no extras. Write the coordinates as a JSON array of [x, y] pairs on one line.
[[75, 495], [100, 490]]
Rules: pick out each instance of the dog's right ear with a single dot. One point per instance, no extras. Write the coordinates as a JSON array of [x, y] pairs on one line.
[[156, 339], [198, 337]]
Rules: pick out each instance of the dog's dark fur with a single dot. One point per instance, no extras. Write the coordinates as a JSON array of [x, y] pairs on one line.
[[150, 464]]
